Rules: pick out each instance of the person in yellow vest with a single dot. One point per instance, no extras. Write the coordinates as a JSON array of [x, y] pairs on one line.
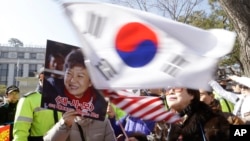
[[208, 98], [31, 121], [226, 106]]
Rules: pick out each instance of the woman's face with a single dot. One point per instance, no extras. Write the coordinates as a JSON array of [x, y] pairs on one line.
[[77, 81], [244, 90], [178, 98], [205, 97]]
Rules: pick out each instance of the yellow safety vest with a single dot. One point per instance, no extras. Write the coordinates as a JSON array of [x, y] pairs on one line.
[[31, 120], [226, 106]]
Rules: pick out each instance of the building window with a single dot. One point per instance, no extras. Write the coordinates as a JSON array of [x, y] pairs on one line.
[[32, 70], [3, 74], [20, 55], [4, 54], [32, 55]]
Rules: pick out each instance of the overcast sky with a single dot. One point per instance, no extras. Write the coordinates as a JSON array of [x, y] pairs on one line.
[[35, 21]]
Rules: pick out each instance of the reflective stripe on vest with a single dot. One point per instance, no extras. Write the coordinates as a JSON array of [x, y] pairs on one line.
[[26, 119]]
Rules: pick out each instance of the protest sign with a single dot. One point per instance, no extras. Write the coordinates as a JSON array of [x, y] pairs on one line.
[[59, 97]]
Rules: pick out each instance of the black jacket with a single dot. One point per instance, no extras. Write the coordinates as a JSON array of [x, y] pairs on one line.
[[201, 120], [7, 113]]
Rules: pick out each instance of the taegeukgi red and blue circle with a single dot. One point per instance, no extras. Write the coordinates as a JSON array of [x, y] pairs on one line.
[[136, 44]]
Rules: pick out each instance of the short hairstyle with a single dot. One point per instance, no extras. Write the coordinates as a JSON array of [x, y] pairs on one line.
[[11, 89], [74, 58]]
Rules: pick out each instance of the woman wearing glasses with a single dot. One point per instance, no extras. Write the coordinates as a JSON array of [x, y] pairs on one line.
[[199, 122]]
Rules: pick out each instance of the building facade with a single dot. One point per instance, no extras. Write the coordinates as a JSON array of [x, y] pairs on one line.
[[19, 66]]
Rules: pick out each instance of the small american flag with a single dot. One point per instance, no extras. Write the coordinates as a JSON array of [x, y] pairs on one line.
[[144, 107]]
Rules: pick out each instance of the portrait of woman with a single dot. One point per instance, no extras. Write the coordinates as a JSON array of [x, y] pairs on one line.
[[75, 90]]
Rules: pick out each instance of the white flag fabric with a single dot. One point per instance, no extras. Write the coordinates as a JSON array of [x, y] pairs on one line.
[[242, 80], [130, 49]]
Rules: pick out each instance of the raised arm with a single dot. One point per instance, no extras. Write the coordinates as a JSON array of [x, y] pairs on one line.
[[230, 96]]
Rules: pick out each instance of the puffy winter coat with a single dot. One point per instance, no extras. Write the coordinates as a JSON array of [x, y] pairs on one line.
[[93, 130], [201, 124]]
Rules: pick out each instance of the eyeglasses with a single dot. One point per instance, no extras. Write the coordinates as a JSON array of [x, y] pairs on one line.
[[243, 87], [173, 89], [176, 89]]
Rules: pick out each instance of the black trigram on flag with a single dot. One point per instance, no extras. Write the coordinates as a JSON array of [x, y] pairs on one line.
[[95, 24], [106, 69], [174, 65]]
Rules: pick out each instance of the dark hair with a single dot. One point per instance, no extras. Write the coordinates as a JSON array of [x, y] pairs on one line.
[[11, 89], [194, 102], [195, 93], [139, 136], [74, 58], [56, 55], [209, 92]]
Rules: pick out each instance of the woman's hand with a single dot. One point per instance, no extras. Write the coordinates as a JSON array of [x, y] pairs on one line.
[[110, 111], [69, 117]]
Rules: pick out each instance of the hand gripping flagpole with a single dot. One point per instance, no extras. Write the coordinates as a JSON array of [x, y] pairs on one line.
[[119, 122]]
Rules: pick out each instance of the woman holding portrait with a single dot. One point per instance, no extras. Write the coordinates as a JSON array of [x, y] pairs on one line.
[[80, 94]]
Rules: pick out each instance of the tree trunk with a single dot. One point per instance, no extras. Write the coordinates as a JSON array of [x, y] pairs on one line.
[[239, 13]]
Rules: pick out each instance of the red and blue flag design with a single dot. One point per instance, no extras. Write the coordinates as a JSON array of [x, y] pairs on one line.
[[126, 48]]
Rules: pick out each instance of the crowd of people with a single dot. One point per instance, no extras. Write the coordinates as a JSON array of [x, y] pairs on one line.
[[205, 115]]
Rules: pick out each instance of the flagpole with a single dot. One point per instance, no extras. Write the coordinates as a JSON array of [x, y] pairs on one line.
[[17, 70], [119, 122], [123, 130]]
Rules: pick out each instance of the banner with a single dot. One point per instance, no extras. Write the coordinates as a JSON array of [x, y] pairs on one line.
[[5, 133], [130, 49]]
